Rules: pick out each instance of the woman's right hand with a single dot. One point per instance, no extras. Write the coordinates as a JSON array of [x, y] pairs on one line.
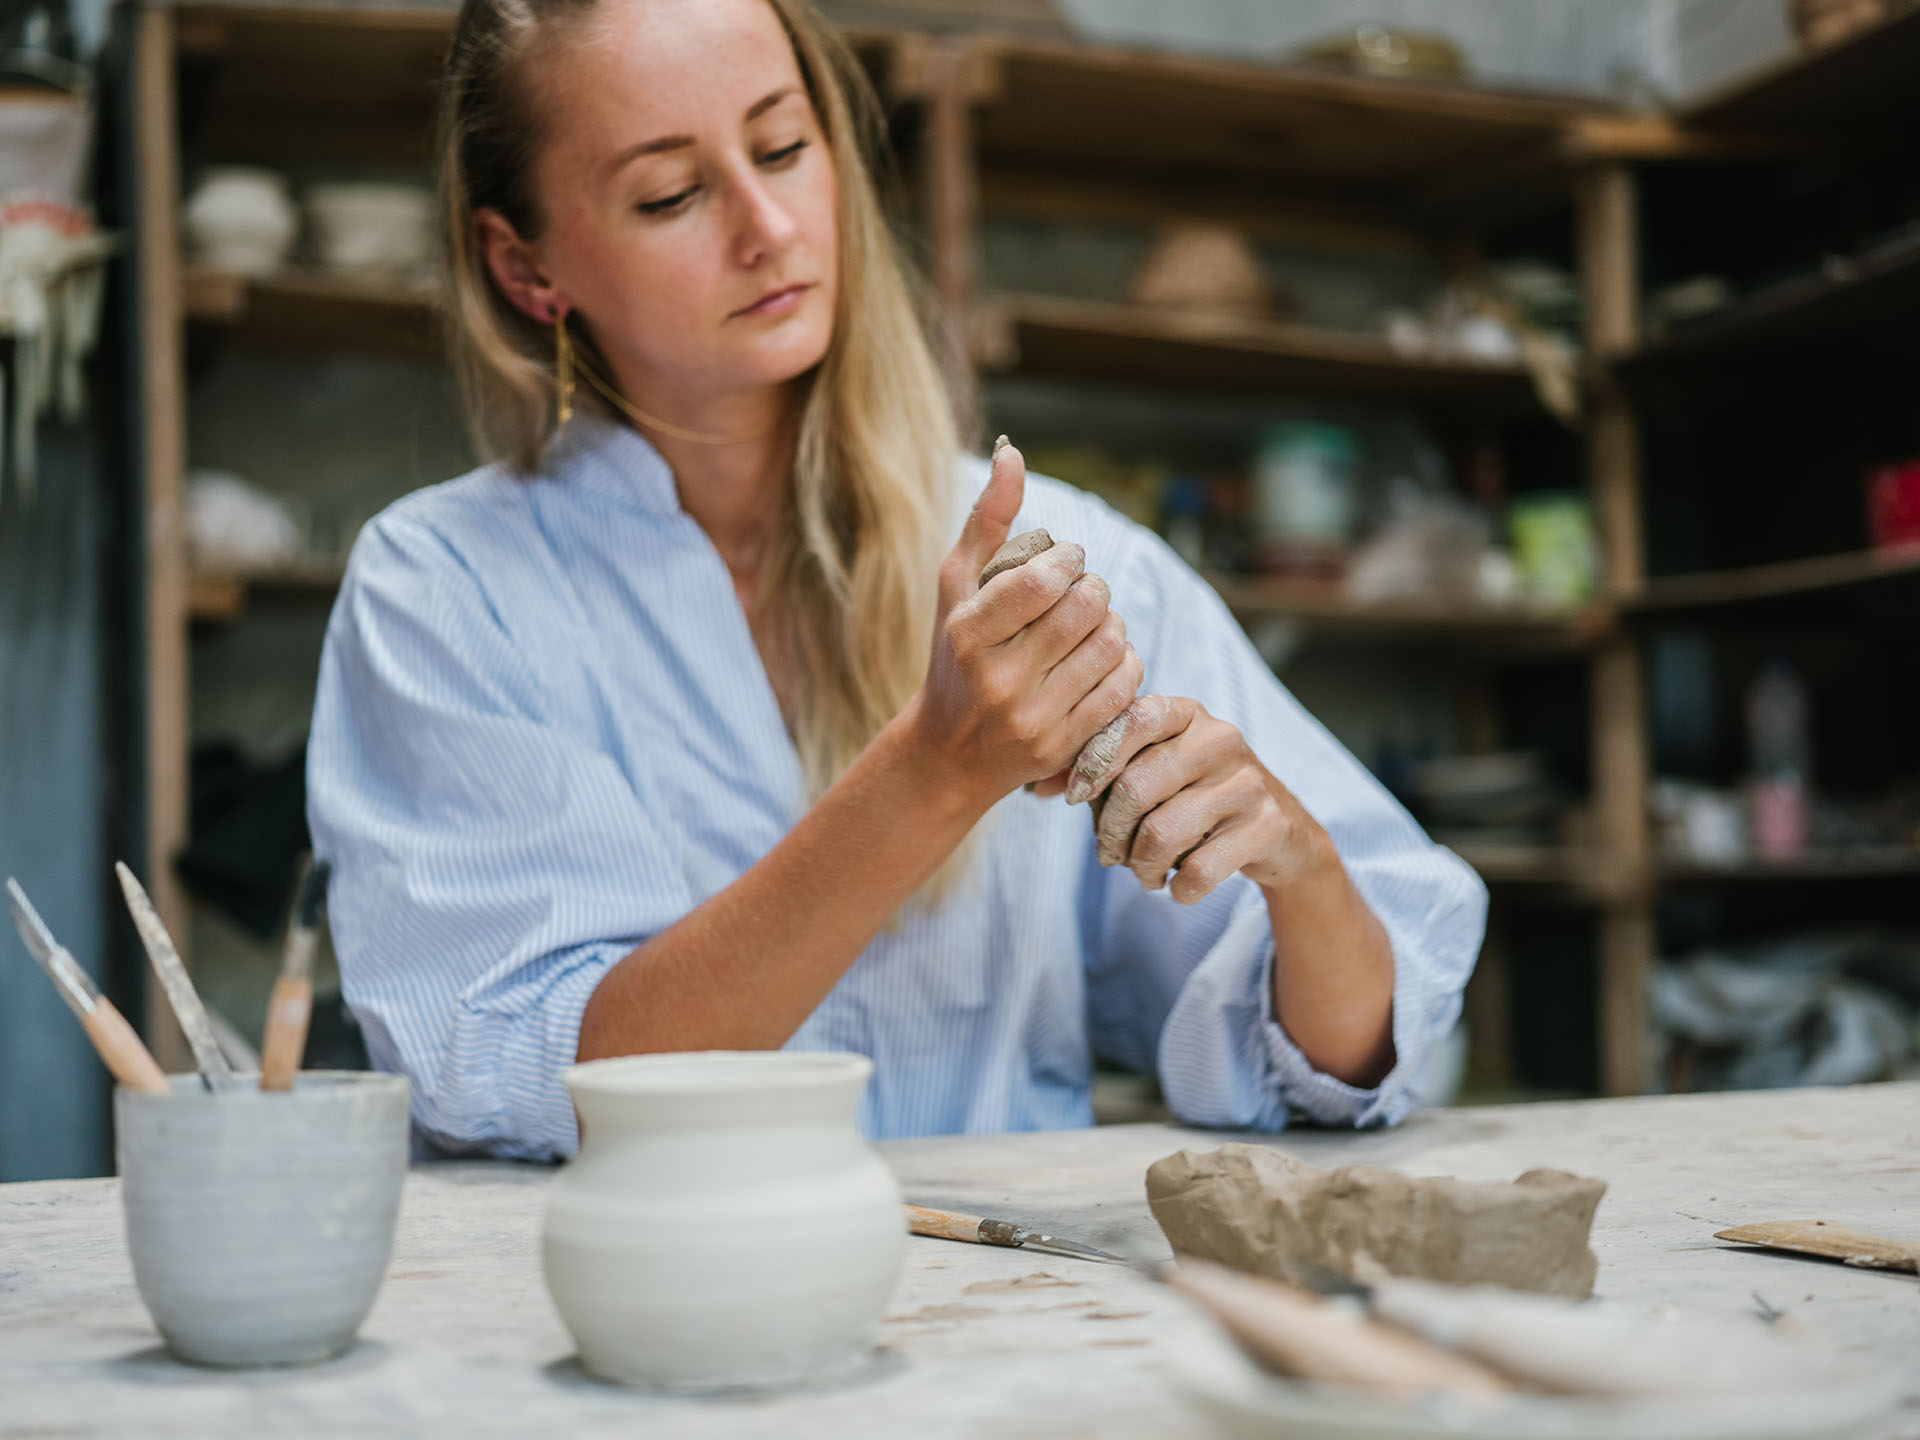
[[1026, 668]]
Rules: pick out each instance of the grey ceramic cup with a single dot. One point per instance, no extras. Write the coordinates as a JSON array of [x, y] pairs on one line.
[[260, 1224]]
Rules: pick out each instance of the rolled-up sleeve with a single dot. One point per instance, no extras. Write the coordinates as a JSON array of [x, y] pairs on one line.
[[488, 866], [1188, 991]]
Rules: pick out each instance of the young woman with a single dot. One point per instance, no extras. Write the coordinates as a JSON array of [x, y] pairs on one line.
[[686, 723]]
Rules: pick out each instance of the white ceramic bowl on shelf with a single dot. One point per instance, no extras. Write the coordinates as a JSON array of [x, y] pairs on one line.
[[372, 229], [240, 218]]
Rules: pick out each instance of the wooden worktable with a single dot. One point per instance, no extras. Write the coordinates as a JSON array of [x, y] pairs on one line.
[[978, 1341]]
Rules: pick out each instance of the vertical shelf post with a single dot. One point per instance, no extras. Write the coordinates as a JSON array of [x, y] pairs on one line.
[[948, 78], [163, 459], [1608, 236]]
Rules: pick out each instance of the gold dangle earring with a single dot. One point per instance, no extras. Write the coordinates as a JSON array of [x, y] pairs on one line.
[[562, 369]]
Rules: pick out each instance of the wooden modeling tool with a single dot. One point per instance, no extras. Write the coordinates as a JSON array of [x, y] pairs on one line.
[[215, 1073], [1828, 1241], [291, 1008], [129, 1060], [946, 1225]]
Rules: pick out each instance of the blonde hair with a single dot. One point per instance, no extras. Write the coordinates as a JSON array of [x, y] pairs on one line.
[[854, 569]]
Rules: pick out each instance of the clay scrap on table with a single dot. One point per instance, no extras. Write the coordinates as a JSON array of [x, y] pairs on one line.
[[1259, 1210]]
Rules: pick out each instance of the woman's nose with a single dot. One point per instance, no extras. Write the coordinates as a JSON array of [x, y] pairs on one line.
[[766, 226]]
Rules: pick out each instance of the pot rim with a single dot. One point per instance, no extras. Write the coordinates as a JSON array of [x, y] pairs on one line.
[[716, 1072], [312, 1087]]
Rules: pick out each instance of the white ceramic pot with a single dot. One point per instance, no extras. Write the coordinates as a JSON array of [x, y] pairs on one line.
[[240, 218], [725, 1224], [371, 228]]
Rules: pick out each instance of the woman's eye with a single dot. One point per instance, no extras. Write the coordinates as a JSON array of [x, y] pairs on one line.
[[783, 154], [666, 206]]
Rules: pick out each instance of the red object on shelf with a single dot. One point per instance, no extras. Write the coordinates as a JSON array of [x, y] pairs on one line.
[[1893, 505]]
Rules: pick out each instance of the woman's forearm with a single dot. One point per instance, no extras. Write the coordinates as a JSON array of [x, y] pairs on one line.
[[1332, 971], [744, 970]]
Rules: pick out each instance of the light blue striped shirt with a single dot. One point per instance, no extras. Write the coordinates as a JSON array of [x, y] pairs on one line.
[[543, 734]]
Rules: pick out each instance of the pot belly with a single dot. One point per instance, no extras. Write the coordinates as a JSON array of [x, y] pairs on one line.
[[690, 1302]]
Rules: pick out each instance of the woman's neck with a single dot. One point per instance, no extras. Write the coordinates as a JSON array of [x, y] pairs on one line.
[[735, 490]]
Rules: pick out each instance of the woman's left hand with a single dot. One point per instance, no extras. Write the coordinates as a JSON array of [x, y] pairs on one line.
[[1180, 791]]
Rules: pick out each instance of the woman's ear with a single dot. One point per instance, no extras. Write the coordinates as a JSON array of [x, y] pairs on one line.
[[516, 270]]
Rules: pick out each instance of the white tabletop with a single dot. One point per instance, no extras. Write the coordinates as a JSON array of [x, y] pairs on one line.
[[978, 1341]]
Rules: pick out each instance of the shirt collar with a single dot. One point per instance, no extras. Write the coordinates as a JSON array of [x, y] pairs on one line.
[[616, 462]]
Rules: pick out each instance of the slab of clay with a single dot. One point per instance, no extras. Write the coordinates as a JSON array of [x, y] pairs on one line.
[[1016, 552], [1259, 1210]]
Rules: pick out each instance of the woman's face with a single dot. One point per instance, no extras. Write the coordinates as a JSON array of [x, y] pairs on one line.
[[687, 193]]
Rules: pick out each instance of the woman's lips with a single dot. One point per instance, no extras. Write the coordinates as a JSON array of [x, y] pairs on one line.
[[776, 302]]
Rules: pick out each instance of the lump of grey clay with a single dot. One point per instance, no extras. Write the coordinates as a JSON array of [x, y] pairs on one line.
[[1016, 552], [1259, 1210]]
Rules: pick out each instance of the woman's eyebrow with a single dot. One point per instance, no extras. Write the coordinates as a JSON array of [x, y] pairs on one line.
[[681, 142]]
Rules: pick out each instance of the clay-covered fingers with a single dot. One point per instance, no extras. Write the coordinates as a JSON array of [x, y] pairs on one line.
[[1077, 643], [1148, 720], [1029, 596], [1103, 702], [1154, 775], [1178, 833]]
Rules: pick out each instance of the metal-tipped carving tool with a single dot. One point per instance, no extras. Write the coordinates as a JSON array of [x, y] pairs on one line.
[[946, 1225], [129, 1060], [214, 1070], [291, 1008]]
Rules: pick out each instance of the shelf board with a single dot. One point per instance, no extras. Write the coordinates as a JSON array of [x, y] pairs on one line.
[[1321, 136], [1820, 575], [1106, 341], [315, 308], [1325, 607], [1873, 294], [224, 594], [1866, 81], [1861, 863], [1528, 864]]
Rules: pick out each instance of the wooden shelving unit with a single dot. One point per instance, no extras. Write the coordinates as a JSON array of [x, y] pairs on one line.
[[1853, 104], [1012, 128]]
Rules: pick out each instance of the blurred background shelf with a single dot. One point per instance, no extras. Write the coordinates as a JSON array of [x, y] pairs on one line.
[[1848, 299], [1864, 863], [224, 595], [1096, 340], [313, 308], [1256, 598], [1529, 865], [1306, 137], [1815, 576], [1861, 83]]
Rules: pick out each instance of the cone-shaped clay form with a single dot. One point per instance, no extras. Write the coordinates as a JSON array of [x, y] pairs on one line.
[[1016, 552]]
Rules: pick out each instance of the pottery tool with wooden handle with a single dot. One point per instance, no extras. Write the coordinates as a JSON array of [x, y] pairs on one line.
[[215, 1073], [1299, 1334], [129, 1060], [971, 1229], [1828, 1241], [291, 1007]]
